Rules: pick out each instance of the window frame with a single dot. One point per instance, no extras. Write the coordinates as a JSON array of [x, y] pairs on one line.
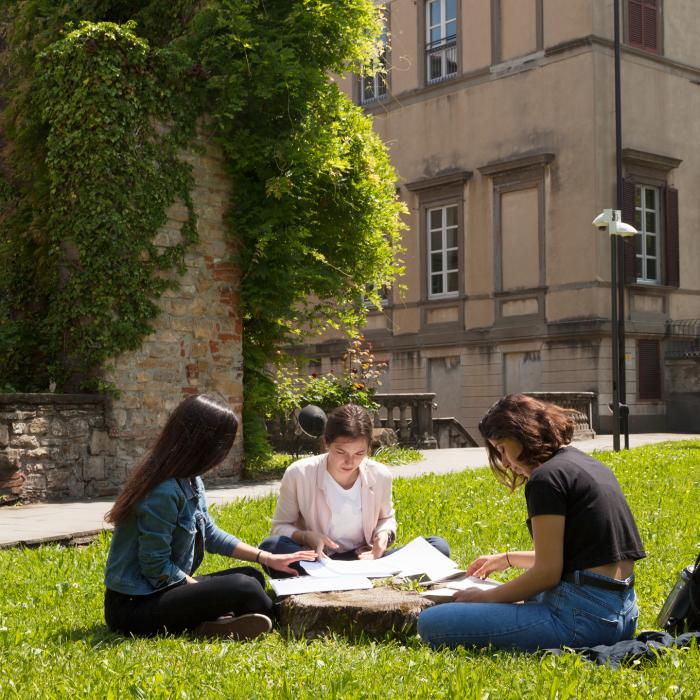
[[647, 169], [641, 45], [444, 43], [381, 76], [443, 189], [444, 250], [643, 234]]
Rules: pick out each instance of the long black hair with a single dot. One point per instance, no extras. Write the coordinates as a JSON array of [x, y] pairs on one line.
[[198, 436]]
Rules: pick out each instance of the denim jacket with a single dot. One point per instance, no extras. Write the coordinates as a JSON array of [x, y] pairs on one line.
[[155, 547]]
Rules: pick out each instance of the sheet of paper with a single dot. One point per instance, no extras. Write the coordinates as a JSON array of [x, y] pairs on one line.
[[447, 591], [417, 558], [439, 595], [472, 582], [420, 557], [311, 584], [317, 569], [371, 568]]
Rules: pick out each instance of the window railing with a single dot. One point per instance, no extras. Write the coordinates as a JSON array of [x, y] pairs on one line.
[[441, 59], [373, 88]]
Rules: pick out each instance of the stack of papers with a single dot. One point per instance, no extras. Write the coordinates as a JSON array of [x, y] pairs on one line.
[[417, 559], [446, 593], [310, 584]]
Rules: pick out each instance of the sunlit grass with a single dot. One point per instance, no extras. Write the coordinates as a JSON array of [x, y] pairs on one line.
[[53, 642]]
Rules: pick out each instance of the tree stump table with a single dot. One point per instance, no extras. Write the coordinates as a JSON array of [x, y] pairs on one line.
[[376, 612]]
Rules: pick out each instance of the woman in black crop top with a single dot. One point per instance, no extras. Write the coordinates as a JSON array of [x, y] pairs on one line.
[[578, 584]]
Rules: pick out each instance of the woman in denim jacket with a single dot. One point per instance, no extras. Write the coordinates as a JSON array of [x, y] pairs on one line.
[[578, 583], [162, 528]]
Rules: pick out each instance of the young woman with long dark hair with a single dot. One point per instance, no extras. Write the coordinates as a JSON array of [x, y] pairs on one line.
[[578, 584], [338, 503], [162, 528]]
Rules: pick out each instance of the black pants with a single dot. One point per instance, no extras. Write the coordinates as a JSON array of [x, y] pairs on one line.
[[184, 606]]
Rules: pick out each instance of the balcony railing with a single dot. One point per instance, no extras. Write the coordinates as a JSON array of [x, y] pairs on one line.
[[441, 59], [410, 416], [373, 88]]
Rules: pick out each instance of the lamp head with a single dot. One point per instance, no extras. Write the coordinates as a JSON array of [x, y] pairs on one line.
[[610, 220], [603, 220], [620, 228], [312, 420]]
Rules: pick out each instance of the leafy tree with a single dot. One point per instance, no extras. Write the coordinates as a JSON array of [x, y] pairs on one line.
[[313, 207]]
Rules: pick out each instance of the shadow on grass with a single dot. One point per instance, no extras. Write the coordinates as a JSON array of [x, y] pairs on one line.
[[95, 635]]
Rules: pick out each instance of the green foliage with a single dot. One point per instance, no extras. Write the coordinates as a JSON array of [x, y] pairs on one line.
[[80, 252], [356, 383], [53, 642], [313, 198], [313, 209]]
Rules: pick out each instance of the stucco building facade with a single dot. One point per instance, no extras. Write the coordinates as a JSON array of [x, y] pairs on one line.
[[499, 116]]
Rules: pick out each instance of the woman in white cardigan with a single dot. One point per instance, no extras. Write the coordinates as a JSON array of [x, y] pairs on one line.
[[338, 503]]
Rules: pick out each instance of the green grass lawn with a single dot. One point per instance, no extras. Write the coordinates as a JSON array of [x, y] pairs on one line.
[[53, 642]]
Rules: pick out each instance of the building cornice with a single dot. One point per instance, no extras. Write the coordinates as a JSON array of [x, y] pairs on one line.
[[507, 165], [631, 156], [452, 177]]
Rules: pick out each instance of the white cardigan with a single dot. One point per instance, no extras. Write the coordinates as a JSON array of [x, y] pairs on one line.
[[302, 502]]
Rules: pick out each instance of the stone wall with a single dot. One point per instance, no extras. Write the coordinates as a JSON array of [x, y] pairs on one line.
[[72, 447], [196, 346], [55, 447]]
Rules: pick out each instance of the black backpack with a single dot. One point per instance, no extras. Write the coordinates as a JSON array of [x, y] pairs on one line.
[[681, 611]]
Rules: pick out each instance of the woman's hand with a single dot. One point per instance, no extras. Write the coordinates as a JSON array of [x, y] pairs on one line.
[[487, 564], [281, 562], [379, 545], [189, 579], [318, 542]]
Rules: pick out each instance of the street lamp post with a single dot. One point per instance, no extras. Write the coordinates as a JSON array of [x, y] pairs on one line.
[[618, 285], [610, 220]]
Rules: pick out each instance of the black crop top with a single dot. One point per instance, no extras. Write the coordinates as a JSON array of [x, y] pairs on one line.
[[599, 527]]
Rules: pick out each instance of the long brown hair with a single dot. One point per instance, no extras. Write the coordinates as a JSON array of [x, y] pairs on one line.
[[197, 436], [541, 428], [349, 421]]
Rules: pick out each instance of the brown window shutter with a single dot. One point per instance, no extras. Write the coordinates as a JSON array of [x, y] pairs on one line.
[[629, 246], [649, 25], [634, 23], [671, 240], [649, 369]]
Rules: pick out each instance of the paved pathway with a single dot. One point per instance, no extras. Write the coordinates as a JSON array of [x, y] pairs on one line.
[[77, 523]]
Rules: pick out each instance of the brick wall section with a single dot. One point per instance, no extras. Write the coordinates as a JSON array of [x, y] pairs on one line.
[[55, 447], [196, 345], [72, 447]]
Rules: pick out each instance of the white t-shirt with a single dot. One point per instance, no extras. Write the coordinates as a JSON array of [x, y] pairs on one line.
[[346, 514]]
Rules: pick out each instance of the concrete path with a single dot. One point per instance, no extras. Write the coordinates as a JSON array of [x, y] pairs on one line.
[[78, 523]]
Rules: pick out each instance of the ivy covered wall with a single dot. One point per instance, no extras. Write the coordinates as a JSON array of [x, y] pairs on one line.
[[101, 98]]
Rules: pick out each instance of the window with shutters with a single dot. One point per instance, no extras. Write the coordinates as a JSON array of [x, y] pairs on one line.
[[643, 24], [652, 256], [649, 369]]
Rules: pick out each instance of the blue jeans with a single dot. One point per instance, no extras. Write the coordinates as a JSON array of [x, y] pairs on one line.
[[570, 614], [281, 544]]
